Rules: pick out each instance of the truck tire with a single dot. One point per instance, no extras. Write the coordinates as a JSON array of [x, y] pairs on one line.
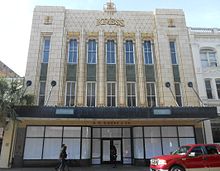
[[177, 168]]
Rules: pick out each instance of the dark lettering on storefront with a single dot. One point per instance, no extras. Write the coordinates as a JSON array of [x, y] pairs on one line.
[[111, 123]]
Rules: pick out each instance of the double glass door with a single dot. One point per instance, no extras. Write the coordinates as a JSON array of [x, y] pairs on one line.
[[106, 150]]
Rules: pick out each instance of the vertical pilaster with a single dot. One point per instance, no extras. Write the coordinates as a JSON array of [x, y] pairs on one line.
[[141, 95], [121, 72], [80, 91], [101, 71]]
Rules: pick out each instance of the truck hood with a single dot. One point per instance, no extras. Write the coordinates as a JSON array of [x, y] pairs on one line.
[[169, 157]]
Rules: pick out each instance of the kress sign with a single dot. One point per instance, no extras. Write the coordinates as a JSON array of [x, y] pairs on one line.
[[110, 21]]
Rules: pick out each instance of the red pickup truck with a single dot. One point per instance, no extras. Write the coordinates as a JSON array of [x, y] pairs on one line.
[[191, 157]]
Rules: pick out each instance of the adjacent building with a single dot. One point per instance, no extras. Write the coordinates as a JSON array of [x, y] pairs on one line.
[[205, 44], [104, 78]]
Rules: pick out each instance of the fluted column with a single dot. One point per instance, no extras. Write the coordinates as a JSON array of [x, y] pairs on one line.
[[101, 72], [141, 94], [80, 91], [121, 72]]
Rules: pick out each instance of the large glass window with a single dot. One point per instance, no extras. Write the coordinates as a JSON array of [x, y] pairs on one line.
[[217, 82], [151, 94], [131, 94], [73, 51], [147, 52], [129, 52], [173, 52], [46, 49], [92, 52], [208, 89], [44, 142], [110, 52], [208, 58], [42, 93], [111, 94], [178, 93], [91, 94], [70, 93]]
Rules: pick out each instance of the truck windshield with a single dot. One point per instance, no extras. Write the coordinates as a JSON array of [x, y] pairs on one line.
[[182, 150]]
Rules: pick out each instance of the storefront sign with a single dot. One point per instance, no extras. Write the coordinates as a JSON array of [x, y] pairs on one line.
[[64, 111], [110, 21], [162, 112]]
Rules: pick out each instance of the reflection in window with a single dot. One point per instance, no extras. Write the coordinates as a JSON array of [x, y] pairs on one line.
[[178, 93], [152, 147], [129, 52], [70, 93], [73, 51], [42, 93], [46, 49], [147, 52], [131, 94], [110, 52], [208, 58], [173, 52], [208, 89], [151, 94], [111, 94], [92, 52], [91, 94], [217, 82]]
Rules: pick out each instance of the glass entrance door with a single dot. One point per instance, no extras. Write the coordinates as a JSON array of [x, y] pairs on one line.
[[106, 152]]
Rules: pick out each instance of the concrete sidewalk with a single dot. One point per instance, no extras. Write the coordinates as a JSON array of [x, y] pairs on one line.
[[91, 168]]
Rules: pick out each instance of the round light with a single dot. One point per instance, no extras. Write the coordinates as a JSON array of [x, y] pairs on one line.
[[53, 83], [167, 84]]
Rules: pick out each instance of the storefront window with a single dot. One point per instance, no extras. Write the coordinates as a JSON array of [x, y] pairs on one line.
[[86, 146], [138, 148], [86, 132], [169, 131], [51, 148], [33, 148], [169, 145], [152, 147], [152, 132], [73, 148], [137, 132], [72, 132]]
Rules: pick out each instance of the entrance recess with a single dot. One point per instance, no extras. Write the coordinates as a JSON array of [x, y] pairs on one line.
[[106, 145]]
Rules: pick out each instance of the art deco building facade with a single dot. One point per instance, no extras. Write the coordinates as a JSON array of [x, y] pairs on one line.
[[108, 77]]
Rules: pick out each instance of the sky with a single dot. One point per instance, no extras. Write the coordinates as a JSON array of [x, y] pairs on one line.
[[16, 18]]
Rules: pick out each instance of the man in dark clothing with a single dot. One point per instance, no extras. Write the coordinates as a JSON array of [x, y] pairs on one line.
[[113, 155], [62, 156]]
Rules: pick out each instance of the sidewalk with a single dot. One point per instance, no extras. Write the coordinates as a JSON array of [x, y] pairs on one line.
[[91, 168]]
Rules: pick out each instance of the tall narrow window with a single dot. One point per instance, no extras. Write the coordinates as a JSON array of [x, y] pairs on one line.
[[110, 52], [208, 89], [91, 94], [129, 52], [208, 58], [218, 87], [178, 93], [173, 52], [92, 52], [42, 93], [131, 94], [73, 51], [147, 52], [151, 94], [70, 93], [46, 49], [111, 94]]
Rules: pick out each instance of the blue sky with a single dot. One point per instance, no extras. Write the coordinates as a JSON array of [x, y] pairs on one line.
[[16, 16]]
